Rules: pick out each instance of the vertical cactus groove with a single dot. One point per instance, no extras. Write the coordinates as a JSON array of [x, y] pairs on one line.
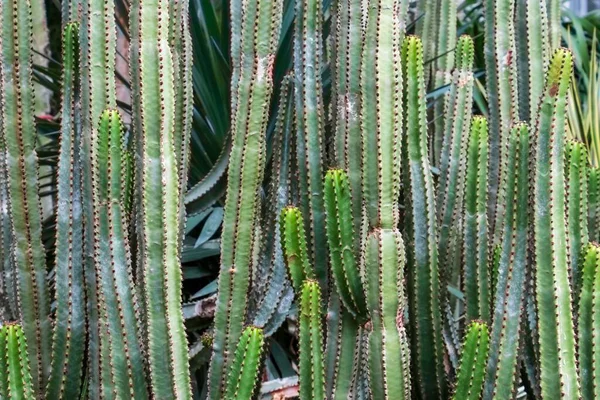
[[389, 357], [15, 377], [477, 282], [576, 161], [511, 271], [312, 383], [556, 333], [160, 224], [247, 161], [589, 318], [97, 45], [68, 344], [454, 148], [381, 113], [593, 200], [245, 367], [471, 372], [18, 135], [113, 263], [340, 236], [421, 232], [308, 55], [294, 247]]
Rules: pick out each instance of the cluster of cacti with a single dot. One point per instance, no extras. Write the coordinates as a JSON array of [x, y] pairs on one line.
[[412, 248]]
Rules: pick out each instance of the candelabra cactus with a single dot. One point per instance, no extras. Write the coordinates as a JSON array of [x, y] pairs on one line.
[[312, 379], [15, 377], [471, 372], [245, 367]]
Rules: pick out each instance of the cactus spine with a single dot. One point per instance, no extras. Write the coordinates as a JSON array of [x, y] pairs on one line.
[[15, 377], [389, 358], [477, 280], [312, 381], [472, 363], [557, 342], [18, 135], [245, 367], [247, 161], [68, 345], [421, 231]]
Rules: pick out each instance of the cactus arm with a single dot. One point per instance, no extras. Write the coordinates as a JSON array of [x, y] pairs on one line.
[[312, 384], [245, 172], [68, 343], [427, 12], [452, 166], [476, 271], [245, 368], [557, 343], [554, 14], [589, 307], [381, 111], [294, 247], [388, 355], [309, 126], [471, 372], [593, 185], [97, 45], [538, 52], [15, 378], [340, 236], [576, 160], [421, 231], [502, 368], [19, 134]]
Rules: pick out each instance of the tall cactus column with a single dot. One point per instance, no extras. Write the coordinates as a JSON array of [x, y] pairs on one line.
[[167, 344], [18, 135], [247, 162], [556, 333]]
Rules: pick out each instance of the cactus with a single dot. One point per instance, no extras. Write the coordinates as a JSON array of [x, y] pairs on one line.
[[511, 271], [16, 382], [294, 247], [589, 307], [593, 200], [421, 231], [247, 161], [557, 342], [389, 357], [68, 344], [312, 382], [469, 381], [18, 135], [245, 367], [477, 280], [340, 236], [576, 160]]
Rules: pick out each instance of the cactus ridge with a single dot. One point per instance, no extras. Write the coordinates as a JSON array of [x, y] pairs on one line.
[[470, 376], [312, 382], [557, 351]]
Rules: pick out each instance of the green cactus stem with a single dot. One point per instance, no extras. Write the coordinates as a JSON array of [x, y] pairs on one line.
[[244, 373], [477, 282], [389, 356], [113, 263], [312, 383], [556, 332], [589, 307], [381, 114], [244, 176], [427, 12], [340, 236], [511, 272], [16, 382], [469, 382], [421, 232], [294, 247], [593, 200], [576, 161], [160, 195], [308, 53], [68, 345], [19, 137]]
